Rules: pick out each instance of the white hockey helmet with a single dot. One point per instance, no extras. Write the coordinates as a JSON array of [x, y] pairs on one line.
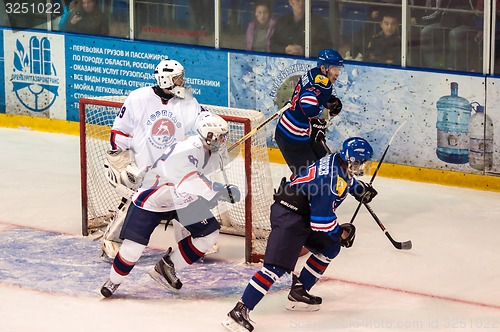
[[213, 129], [169, 74]]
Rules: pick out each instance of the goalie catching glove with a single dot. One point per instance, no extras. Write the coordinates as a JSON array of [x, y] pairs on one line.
[[317, 129], [122, 172], [364, 192]]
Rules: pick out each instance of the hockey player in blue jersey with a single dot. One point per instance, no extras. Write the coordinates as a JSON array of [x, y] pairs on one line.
[[303, 214], [301, 129]]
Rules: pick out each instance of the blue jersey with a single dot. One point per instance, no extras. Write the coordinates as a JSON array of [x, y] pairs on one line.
[[326, 184], [308, 100]]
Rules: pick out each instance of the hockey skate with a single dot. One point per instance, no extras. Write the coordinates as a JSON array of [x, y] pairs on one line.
[[164, 273], [108, 288], [299, 299], [239, 319]]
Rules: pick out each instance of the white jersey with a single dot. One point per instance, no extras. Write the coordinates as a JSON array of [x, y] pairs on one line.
[[178, 177], [148, 124]]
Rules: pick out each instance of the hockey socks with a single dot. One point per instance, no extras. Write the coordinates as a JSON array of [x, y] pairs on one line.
[[260, 284], [192, 249], [314, 268], [125, 260]]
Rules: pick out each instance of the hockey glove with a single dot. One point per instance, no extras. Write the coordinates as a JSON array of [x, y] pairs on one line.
[[334, 106], [350, 231], [228, 193], [317, 129], [364, 192]]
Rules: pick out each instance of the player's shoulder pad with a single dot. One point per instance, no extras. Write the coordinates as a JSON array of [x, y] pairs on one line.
[[321, 80], [193, 142]]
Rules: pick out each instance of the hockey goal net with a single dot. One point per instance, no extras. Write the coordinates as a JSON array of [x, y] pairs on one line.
[[248, 168]]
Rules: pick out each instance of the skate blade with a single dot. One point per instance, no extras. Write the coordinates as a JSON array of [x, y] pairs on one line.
[[159, 279], [301, 306], [231, 325]]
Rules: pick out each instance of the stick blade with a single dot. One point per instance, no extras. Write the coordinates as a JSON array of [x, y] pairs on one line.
[[407, 245]]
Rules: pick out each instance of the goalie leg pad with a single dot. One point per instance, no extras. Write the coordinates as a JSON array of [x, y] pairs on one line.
[[114, 228], [111, 241]]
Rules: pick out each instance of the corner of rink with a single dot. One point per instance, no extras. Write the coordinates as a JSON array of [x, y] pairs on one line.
[[70, 265]]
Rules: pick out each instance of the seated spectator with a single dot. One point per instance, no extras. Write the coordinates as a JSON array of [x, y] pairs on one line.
[[85, 17], [260, 30], [201, 17], [119, 21], [425, 35], [433, 47], [289, 33], [63, 20], [479, 37], [464, 48], [355, 19], [377, 10], [385, 47]]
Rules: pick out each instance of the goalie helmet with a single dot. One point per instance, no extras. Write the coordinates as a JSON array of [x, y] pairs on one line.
[[169, 74], [213, 129], [357, 153], [330, 57]]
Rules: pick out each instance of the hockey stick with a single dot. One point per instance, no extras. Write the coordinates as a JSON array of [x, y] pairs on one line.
[[378, 167], [254, 130], [323, 142], [222, 163], [407, 245]]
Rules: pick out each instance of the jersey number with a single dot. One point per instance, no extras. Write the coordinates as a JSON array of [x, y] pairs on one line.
[[122, 112], [193, 160]]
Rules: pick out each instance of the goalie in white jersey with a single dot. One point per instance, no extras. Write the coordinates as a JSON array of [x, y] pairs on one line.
[[151, 119], [175, 186]]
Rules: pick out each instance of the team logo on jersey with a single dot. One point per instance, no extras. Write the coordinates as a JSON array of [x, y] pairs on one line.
[[34, 78], [162, 132], [321, 79], [341, 186]]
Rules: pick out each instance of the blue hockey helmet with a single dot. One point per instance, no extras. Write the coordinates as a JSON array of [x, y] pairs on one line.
[[330, 57], [356, 152]]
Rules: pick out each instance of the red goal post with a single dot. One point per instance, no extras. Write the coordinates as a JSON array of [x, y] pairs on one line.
[[248, 168]]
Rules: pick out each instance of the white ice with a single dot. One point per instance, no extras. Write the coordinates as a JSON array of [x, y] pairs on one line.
[[449, 281]]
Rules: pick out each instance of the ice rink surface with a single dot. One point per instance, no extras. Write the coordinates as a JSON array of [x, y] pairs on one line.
[[50, 275]]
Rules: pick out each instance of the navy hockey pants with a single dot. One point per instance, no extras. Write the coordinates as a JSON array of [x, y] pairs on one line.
[[289, 233], [299, 155], [139, 223]]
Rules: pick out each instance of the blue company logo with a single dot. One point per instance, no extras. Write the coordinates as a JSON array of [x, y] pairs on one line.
[[34, 79]]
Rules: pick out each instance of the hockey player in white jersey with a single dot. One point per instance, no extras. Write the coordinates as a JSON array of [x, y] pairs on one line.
[[151, 119], [176, 186]]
